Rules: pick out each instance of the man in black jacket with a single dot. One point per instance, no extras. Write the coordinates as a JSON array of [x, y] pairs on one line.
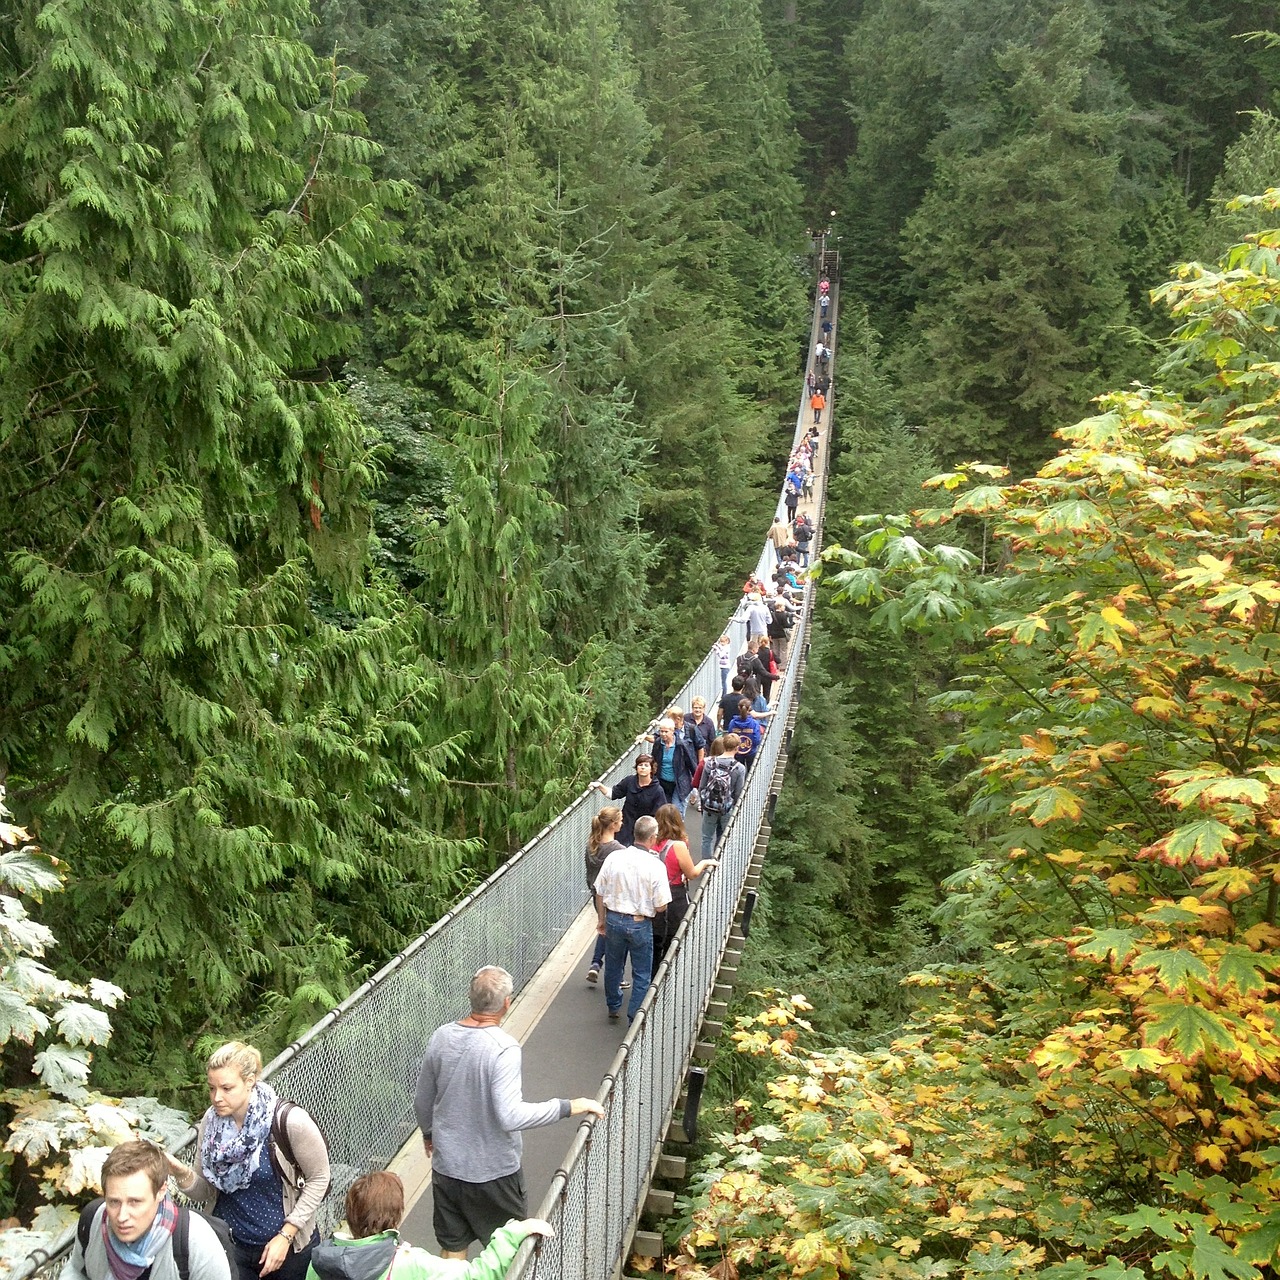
[[780, 630]]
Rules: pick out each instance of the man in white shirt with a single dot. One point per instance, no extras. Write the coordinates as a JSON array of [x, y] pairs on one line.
[[630, 890]]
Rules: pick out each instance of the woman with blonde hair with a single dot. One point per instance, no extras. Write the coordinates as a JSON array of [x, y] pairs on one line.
[[375, 1208], [261, 1164], [673, 849], [602, 841]]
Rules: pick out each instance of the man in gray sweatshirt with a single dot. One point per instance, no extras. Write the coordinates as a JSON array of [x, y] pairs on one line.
[[470, 1107], [138, 1230]]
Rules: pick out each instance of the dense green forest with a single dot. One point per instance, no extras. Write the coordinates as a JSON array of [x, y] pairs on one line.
[[390, 395], [1035, 764], [386, 397]]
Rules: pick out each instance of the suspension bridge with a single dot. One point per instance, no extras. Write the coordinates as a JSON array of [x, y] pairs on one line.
[[355, 1070]]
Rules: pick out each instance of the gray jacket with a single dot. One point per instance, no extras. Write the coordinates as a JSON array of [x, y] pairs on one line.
[[206, 1257]]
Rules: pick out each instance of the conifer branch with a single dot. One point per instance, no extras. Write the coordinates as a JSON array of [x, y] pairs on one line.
[[48, 480], [324, 137], [75, 542]]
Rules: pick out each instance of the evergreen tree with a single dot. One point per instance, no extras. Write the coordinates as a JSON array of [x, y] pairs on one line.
[[1021, 312], [1193, 75], [806, 39], [187, 201], [1251, 164], [526, 225], [515, 712], [896, 106], [696, 362]]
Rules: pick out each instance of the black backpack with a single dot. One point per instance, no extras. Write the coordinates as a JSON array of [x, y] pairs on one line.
[[181, 1236], [280, 1142], [716, 789]]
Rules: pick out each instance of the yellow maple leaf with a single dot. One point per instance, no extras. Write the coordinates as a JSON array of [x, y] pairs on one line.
[[1211, 1154]]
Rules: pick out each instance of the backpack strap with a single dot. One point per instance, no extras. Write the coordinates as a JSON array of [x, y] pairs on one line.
[[281, 1146], [182, 1243], [85, 1225]]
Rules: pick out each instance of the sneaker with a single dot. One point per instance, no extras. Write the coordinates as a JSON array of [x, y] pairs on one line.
[[625, 984], [593, 974], [614, 1015]]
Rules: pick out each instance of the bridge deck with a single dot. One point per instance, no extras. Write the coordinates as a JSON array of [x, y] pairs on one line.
[[560, 1020]]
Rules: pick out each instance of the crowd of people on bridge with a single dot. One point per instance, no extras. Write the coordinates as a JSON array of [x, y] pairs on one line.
[[261, 1169], [638, 864]]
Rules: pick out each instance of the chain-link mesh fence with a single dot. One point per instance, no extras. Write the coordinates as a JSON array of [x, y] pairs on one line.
[[355, 1070], [611, 1161]]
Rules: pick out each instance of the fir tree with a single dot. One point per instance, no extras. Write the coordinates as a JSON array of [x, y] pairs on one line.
[[1021, 312], [187, 200], [515, 712]]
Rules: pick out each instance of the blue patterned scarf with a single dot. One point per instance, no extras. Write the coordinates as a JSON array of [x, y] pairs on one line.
[[129, 1261], [230, 1155]]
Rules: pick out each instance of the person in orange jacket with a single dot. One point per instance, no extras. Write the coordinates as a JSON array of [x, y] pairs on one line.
[[817, 402]]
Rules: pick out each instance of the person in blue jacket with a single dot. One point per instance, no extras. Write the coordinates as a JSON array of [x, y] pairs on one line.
[[749, 732]]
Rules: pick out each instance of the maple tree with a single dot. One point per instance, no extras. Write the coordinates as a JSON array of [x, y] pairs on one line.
[[1094, 1092], [58, 1130]]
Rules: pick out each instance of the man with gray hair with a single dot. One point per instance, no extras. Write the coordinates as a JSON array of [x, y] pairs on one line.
[[631, 889], [470, 1107]]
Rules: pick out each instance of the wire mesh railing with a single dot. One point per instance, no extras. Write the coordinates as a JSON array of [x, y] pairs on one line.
[[611, 1161], [517, 917]]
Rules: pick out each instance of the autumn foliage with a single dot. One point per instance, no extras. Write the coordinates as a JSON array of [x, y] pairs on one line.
[[1096, 1091]]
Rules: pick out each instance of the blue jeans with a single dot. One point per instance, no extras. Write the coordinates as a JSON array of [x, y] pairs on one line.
[[724, 681], [713, 825], [597, 955], [627, 937]]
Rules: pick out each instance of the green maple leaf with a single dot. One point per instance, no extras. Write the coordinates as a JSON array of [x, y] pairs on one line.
[[1049, 804], [1116, 945], [983, 498], [1175, 969], [1244, 969], [1146, 1217], [1115, 1269], [1076, 515], [1142, 1059], [1171, 914], [1205, 840], [1261, 1245], [1211, 1259], [1184, 1028]]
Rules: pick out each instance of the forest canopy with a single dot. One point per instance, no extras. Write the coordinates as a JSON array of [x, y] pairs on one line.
[[388, 397]]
